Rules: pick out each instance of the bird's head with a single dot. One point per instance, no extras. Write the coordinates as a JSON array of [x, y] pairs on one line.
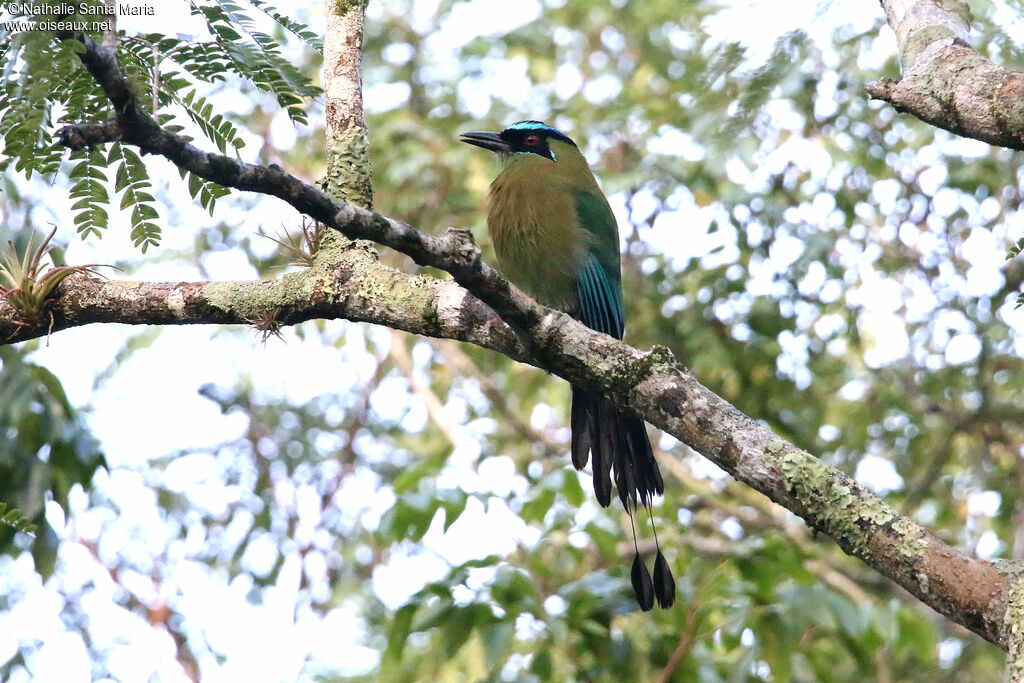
[[524, 137]]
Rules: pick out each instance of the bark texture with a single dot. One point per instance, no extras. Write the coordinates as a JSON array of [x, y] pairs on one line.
[[349, 176], [946, 82], [345, 282]]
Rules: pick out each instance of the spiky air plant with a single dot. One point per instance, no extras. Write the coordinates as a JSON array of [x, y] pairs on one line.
[[21, 283], [302, 248], [266, 324]]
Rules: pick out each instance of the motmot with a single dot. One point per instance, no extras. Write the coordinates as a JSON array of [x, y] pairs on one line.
[[556, 238]]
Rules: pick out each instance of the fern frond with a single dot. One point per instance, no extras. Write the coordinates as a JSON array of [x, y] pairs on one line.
[[218, 129], [90, 193], [133, 182], [205, 191], [299, 30], [257, 56]]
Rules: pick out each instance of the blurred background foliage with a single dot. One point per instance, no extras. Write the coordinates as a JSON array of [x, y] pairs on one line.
[[825, 265]]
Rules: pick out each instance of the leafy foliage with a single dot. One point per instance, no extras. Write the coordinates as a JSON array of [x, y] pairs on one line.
[[133, 183], [37, 74], [36, 419], [300, 30], [89, 192], [256, 55], [205, 191], [15, 519], [43, 86]]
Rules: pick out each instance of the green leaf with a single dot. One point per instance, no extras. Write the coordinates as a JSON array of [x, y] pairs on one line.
[[398, 634]]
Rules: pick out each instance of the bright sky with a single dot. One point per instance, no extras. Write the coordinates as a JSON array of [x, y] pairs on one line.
[[151, 407]]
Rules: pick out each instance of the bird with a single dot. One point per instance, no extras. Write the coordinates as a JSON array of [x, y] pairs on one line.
[[556, 238]]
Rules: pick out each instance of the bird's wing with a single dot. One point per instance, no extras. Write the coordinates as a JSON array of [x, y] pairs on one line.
[[600, 299], [616, 439], [598, 286]]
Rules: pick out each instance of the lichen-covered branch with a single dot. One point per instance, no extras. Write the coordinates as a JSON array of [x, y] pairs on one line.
[[972, 592], [1013, 626], [348, 283], [944, 81], [348, 160]]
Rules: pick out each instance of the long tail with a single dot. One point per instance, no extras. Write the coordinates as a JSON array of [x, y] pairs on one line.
[[619, 443], [621, 448]]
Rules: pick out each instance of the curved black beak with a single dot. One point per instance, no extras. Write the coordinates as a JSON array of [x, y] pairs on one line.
[[491, 141]]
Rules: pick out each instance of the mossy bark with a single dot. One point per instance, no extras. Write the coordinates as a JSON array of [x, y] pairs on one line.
[[947, 83], [349, 175]]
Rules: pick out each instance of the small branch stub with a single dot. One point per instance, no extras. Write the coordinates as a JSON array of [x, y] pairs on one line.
[[947, 83]]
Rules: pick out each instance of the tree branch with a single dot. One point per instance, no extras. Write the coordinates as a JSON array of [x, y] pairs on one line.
[[350, 284], [947, 83], [972, 592], [348, 161]]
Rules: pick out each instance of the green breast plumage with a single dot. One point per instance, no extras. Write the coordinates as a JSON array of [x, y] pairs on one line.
[[536, 231], [556, 239]]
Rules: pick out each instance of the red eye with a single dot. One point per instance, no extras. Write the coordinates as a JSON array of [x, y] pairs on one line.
[[531, 140]]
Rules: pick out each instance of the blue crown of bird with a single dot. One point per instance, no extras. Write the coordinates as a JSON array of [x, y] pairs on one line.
[[556, 238]]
